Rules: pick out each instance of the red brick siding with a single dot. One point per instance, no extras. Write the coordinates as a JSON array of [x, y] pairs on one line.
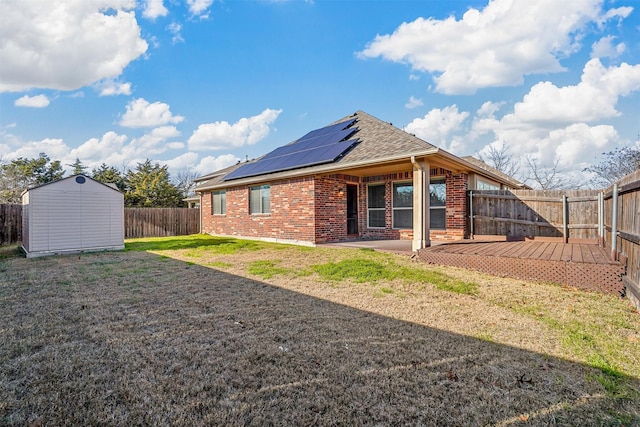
[[314, 209], [291, 217], [456, 210], [330, 209]]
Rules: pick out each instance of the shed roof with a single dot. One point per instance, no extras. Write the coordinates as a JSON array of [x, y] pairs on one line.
[[109, 186], [378, 142]]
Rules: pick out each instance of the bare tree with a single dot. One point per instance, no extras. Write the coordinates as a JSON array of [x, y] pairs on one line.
[[502, 159], [615, 165], [184, 181], [548, 178]]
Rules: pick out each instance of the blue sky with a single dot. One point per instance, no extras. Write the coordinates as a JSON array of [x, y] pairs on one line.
[[200, 84]]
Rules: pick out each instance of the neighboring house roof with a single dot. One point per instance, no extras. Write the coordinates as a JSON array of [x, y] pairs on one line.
[[379, 142], [479, 163]]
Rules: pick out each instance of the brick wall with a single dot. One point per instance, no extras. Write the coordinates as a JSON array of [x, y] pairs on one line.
[[456, 213], [291, 218], [314, 209], [330, 209]]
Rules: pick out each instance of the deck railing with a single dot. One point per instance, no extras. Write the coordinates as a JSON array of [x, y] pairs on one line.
[[567, 215]]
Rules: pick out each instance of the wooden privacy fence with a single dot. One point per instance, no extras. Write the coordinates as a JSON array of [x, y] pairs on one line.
[[569, 215], [622, 229], [10, 224], [160, 222], [138, 222]]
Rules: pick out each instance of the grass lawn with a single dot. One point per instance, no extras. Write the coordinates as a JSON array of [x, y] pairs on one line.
[[197, 330]]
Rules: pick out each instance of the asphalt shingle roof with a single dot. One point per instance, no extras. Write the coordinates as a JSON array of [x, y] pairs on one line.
[[378, 140]]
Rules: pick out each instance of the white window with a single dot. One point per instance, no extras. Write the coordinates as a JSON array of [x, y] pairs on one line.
[[376, 206], [260, 200], [484, 185], [402, 205], [219, 202], [438, 204]]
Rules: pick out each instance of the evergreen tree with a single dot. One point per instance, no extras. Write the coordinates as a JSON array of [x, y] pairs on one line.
[[22, 174], [150, 186], [109, 175], [78, 167]]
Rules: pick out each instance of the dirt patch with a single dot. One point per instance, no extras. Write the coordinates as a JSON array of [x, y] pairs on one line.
[[140, 338]]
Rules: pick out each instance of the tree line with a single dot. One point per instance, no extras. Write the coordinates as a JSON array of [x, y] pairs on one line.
[[147, 185], [612, 167]]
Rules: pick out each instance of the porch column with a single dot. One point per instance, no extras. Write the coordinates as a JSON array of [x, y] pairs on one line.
[[420, 205]]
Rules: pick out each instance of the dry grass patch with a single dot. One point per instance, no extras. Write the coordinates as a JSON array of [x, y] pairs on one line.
[[224, 332]]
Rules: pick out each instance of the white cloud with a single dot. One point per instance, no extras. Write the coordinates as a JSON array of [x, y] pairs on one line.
[[210, 164], [110, 87], [413, 102], [185, 161], [604, 48], [489, 109], [101, 150], [141, 113], [55, 148], [111, 148], [222, 135], [492, 47], [572, 142], [103, 35], [154, 8], [38, 101], [199, 7], [438, 124], [152, 143], [175, 29], [120, 151], [564, 124], [594, 98]]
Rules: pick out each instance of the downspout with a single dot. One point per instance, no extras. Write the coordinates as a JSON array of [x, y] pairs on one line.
[[200, 212], [420, 218]]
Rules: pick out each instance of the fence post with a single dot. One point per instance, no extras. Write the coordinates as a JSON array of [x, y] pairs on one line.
[[601, 219], [614, 223], [565, 225]]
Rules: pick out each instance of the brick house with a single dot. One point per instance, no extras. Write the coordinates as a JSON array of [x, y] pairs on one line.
[[369, 181]]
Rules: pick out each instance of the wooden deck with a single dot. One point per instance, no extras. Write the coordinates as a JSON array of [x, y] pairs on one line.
[[551, 251], [581, 265]]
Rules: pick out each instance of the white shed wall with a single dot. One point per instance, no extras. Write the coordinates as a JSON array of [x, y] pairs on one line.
[[68, 216]]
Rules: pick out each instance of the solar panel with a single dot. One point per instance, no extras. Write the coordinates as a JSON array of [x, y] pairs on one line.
[[327, 130], [319, 146], [301, 145]]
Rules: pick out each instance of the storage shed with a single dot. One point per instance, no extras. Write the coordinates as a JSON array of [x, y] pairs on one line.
[[74, 214]]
